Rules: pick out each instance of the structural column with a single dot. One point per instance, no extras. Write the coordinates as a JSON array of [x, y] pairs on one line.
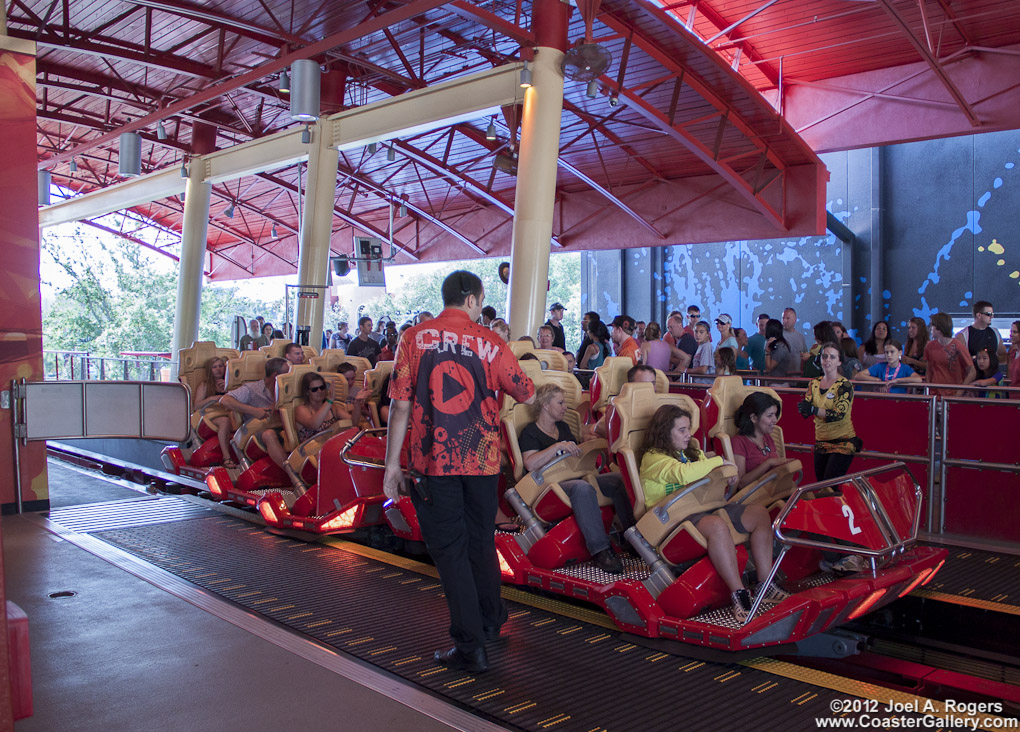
[[316, 229], [197, 194], [536, 172]]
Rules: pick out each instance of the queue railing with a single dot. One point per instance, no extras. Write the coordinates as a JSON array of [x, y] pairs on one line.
[[86, 366]]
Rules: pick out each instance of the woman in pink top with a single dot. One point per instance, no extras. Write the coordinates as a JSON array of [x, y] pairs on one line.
[[754, 450], [656, 353]]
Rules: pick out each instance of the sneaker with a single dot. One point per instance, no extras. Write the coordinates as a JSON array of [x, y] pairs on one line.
[[607, 561], [741, 600], [851, 564], [775, 594]]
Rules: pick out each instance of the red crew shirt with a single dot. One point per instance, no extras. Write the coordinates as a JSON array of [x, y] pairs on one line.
[[450, 369]]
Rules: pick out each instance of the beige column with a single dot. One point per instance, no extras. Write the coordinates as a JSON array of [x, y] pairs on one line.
[[316, 228], [536, 193], [193, 242]]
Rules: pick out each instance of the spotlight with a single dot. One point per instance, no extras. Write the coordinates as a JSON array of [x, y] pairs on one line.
[[372, 147], [45, 178], [490, 132], [306, 135], [284, 82], [184, 169], [391, 154], [273, 232], [402, 211], [593, 89], [160, 131], [230, 211], [613, 101], [525, 76], [73, 166]]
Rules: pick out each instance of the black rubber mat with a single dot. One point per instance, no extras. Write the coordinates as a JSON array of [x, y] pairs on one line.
[[548, 670], [973, 575], [139, 511]]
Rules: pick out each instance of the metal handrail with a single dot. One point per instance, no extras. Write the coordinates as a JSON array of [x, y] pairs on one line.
[[354, 462], [86, 360]]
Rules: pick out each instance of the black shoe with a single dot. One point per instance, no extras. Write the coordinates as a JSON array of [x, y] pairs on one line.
[[492, 631], [607, 561], [475, 662]]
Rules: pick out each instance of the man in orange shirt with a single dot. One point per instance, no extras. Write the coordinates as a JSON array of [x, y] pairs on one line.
[[622, 333]]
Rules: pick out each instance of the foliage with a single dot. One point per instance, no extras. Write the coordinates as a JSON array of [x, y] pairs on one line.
[[113, 299]]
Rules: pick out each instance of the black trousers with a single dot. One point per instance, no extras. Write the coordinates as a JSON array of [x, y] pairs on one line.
[[458, 523], [831, 465]]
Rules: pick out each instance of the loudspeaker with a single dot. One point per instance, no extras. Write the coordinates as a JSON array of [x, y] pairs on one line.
[[504, 272], [341, 265]]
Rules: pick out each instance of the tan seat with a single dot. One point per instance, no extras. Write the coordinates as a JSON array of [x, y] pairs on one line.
[[665, 526], [519, 348], [249, 366], [333, 357], [516, 416], [192, 372], [540, 489], [374, 379], [550, 360], [610, 378], [288, 397], [727, 394], [276, 347]]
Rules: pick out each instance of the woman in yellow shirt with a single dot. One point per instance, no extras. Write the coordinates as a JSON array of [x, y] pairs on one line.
[[829, 399], [669, 462]]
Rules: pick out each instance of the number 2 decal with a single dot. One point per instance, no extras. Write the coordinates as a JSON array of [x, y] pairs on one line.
[[849, 513]]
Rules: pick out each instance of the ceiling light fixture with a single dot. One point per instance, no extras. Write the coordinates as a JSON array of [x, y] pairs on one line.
[[160, 131], [372, 147], [273, 232], [613, 101], [402, 211], [490, 132], [306, 135], [184, 168], [391, 154], [525, 76], [593, 89], [230, 211], [73, 166], [284, 82]]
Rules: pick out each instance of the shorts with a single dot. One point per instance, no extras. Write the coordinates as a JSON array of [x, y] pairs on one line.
[[734, 510]]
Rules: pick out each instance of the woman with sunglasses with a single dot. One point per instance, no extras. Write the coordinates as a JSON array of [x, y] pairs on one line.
[[319, 412], [754, 450]]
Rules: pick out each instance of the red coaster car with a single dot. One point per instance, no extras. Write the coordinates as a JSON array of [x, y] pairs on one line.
[[673, 591]]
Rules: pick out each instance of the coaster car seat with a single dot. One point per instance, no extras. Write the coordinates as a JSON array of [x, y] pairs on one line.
[[772, 489], [374, 379], [331, 358], [276, 348]]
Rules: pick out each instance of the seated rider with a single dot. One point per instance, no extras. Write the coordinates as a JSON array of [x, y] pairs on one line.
[[319, 412], [669, 462], [636, 375], [256, 399], [549, 436], [754, 450], [355, 399]]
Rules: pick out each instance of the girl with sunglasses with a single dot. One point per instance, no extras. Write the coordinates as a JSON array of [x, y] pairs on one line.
[[319, 412]]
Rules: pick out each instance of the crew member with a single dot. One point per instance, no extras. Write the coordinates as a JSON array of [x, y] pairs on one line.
[[446, 376]]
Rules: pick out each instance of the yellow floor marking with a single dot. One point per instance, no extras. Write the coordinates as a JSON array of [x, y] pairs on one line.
[[568, 631], [391, 575], [553, 721], [359, 641], [488, 694], [656, 657], [207, 574], [798, 698], [969, 602], [268, 599], [232, 587], [318, 624], [598, 729], [299, 616], [216, 582], [540, 623], [692, 666], [852, 687], [432, 672], [964, 555], [427, 587], [384, 649], [992, 560], [462, 682], [728, 676], [405, 661], [311, 549], [598, 638], [520, 707], [333, 633], [767, 686], [518, 614], [411, 581], [966, 593], [248, 594], [282, 607]]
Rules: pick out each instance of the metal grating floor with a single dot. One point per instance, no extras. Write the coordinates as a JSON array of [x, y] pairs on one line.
[[122, 514], [973, 575], [543, 667]]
